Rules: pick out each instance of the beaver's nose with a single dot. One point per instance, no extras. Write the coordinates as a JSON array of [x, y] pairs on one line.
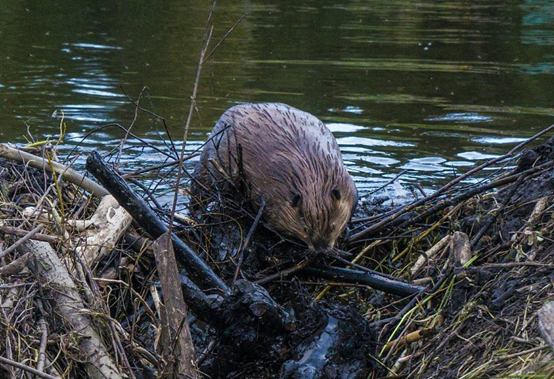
[[321, 243]]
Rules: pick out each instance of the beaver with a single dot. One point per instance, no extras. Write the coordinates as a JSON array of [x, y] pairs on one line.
[[289, 159]]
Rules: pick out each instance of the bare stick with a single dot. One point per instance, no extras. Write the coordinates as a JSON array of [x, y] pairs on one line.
[[224, 37], [378, 282], [69, 305], [429, 253], [21, 233], [525, 352], [207, 36], [67, 173], [386, 184], [21, 241], [14, 267], [42, 347], [247, 240], [110, 221], [27, 368], [491, 266], [360, 267], [283, 274]]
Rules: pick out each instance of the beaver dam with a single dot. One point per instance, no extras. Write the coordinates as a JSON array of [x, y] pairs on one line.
[[454, 284]]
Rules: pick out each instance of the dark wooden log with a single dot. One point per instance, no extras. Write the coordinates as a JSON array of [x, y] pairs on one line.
[[151, 223], [346, 275]]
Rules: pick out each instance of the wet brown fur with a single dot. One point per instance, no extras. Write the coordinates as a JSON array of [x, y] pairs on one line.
[[290, 159]]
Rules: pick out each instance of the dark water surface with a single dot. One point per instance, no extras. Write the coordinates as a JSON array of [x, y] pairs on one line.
[[429, 87]]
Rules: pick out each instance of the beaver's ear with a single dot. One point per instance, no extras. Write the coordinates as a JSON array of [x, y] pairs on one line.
[[296, 200], [335, 192]]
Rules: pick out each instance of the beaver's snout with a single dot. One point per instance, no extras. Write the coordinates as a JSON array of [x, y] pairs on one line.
[[320, 243]]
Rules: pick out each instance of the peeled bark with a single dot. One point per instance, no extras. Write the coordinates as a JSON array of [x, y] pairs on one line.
[[460, 248], [546, 323], [108, 224]]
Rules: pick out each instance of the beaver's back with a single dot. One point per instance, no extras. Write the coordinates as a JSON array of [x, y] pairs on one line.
[[269, 134], [278, 128]]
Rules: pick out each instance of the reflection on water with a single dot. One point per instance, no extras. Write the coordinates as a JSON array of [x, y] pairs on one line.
[[428, 87], [462, 118]]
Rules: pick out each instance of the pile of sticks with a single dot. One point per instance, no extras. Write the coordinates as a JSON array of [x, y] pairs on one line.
[[95, 283]]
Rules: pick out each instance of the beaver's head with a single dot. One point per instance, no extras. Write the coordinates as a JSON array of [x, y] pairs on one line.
[[317, 211]]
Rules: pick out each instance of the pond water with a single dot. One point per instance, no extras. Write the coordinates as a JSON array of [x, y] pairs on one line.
[[430, 87]]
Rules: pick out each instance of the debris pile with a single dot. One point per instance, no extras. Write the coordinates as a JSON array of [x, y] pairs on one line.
[[456, 284]]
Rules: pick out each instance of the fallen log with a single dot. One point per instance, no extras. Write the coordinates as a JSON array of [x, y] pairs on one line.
[[52, 273]]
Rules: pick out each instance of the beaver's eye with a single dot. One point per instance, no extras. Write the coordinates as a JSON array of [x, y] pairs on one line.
[[296, 200], [335, 192]]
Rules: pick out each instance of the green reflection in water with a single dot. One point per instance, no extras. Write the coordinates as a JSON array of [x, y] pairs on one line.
[[427, 86]]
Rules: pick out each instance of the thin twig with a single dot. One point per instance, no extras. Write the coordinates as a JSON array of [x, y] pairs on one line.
[[224, 37], [505, 265], [386, 184], [289, 271], [207, 37], [155, 115], [21, 241], [21, 233], [525, 352], [505, 201], [42, 347], [124, 140], [159, 166], [247, 240]]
